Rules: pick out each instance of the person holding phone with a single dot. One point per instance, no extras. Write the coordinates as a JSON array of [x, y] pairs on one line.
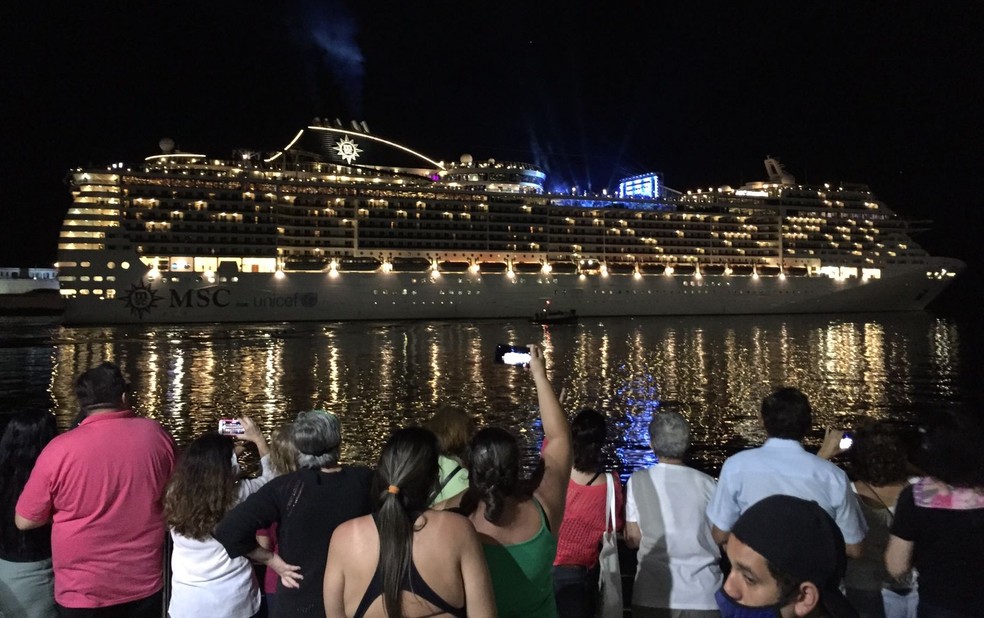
[[205, 581], [880, 469], [518, 521]]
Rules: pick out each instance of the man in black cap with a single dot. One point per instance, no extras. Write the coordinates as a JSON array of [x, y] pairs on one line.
[[787, 559]]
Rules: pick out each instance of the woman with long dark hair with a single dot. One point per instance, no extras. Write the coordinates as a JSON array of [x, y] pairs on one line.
[[25, 556], [516, 520], [205, 581], [939, 520], [575, 568], [405, 559]]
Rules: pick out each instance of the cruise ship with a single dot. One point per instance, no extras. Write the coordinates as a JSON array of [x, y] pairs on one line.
[[343, 224]]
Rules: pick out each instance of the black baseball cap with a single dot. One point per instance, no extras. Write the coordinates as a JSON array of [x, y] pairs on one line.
[[799, 539]]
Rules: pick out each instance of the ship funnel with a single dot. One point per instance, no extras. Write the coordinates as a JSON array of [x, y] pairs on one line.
[[777, 172], [365, 127], [355, 125]]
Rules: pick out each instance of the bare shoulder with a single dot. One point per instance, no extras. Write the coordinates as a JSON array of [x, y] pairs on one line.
[[447, 522], [354, 531]]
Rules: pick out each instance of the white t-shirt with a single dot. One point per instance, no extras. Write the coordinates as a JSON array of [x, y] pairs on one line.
[[205, 581], [678, 559]]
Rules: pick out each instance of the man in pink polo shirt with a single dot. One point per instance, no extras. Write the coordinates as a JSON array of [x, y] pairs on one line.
[[100, 485]]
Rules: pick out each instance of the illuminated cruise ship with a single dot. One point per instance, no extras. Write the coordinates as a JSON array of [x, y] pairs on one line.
[[341, 224]]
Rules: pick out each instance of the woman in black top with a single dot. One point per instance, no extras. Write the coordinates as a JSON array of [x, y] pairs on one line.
[[407, 560], [939, 521], [25, 556], [307, 506]]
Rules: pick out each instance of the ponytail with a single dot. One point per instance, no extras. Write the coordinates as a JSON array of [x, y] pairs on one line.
[[405, 477]]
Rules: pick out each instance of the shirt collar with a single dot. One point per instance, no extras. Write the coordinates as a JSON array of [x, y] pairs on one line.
[[105, 416], [783, 443]]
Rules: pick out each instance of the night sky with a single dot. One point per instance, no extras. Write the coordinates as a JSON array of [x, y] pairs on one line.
[[890, 94]]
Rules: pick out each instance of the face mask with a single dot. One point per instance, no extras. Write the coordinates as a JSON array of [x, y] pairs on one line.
[[733, 609]]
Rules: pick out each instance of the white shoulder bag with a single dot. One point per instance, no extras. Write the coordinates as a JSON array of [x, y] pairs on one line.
[[610, 577]]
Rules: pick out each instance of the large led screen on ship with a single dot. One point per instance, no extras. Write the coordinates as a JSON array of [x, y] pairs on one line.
[[642, 186]]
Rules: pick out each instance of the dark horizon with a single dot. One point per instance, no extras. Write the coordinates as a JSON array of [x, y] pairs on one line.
[[701, 93]]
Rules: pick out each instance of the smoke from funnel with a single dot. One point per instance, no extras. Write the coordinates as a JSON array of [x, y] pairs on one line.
[[330, 27]]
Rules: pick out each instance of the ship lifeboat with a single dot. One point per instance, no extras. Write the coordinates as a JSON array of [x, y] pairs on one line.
[[712, 269], [493, 267], [769, 271], [527, 267], [652, 269], [797, 271], [453, 267], [306, 264], [621, 268], [365, 265], [684, 270], [563, 268], [742, 270], [411, 265]]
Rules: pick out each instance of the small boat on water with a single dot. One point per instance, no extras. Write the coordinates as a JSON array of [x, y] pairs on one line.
[[554, 316]]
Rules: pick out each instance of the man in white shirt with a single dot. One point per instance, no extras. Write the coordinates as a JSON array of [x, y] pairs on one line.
[[678, 572], [782, 466]]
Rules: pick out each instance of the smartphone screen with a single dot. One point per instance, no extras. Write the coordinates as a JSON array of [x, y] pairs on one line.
[[506, 354], [230, 427], [846, 442]]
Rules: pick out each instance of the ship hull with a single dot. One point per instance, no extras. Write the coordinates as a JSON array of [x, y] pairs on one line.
[[322, 296]]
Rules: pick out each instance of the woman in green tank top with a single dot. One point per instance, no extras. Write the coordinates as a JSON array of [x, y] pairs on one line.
[[517, 521]]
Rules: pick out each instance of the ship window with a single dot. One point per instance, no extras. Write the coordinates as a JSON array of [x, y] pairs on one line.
[[86, 264], [124, 265], [111, 265]]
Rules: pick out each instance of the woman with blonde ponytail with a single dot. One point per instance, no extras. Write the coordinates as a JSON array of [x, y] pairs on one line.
[[406, 560]]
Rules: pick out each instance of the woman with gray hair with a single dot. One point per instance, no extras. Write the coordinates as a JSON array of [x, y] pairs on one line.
[[307, 505], [678, 570]]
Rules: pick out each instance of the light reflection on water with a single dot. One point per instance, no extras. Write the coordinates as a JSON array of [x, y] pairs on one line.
[[380, 376]]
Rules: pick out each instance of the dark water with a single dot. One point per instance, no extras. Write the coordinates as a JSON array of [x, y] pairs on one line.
[[380, 376]]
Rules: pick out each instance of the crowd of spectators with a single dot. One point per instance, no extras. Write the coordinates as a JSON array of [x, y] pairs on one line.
[[110, 519]]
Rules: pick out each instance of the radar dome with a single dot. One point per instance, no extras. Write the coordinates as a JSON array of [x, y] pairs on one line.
[[166, 145], [466, 159]]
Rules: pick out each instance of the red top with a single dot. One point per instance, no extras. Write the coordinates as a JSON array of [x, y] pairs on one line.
[[584, 521], [270, 577], [101, 484]]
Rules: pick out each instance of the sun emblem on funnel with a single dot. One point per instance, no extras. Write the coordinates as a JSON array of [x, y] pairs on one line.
[[347, 149], [141, 298]]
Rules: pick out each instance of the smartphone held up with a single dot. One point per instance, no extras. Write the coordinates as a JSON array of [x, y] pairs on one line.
[[846, 441], [507, 354], [231, 427]]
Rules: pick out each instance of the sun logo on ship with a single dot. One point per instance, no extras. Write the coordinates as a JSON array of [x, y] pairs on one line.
[[347, 150], [140, 299]]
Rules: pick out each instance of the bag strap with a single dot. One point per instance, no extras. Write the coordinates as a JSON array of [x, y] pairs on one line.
[[444, 483], [610, 506], [594, 478]]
